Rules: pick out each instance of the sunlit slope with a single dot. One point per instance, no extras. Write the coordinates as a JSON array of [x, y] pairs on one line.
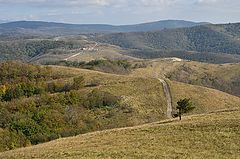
[[204, 136], [146, 94], [140, 100], [224, 77], [100, 52], [204, 99]]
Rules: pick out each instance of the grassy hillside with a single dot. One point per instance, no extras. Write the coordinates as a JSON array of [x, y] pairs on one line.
[[40, 104], [101, 52], [224, 77], [205, 136], [204, 101], [39, 108]]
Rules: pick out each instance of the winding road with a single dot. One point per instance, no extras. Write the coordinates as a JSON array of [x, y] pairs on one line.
[[167, 93]]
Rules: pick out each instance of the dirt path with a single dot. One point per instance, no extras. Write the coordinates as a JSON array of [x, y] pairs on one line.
[[66, 59], [168, 96], [91, 48], [166, 90]]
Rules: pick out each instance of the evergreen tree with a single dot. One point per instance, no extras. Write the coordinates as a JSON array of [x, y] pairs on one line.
[[184, 106]]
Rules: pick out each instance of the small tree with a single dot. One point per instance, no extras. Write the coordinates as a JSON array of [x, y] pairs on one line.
[[184, 106]]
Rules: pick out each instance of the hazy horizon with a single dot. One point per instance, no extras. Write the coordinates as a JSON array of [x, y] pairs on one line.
[[8, 21], [120, 12]]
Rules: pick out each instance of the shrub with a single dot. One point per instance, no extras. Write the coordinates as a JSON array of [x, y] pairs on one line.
[[98, 99], [78, 83]]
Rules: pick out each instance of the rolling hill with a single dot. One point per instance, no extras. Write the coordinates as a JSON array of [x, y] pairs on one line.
[[205, 43], [222, 38], [43, 103], [43, 50], [224, 77], [213, 135], [68, 29]]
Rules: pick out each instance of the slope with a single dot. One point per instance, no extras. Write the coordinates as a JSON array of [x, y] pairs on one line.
[[204, 136], [44, 103], [224, 77]]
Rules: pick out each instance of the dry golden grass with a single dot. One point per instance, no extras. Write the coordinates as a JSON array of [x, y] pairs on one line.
[[102, 51], [162, 67], [204, 99], [213, 135], [156, 68], [203, 136], [145, 94]]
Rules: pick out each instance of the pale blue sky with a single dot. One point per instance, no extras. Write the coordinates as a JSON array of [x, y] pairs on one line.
[[120, 11]]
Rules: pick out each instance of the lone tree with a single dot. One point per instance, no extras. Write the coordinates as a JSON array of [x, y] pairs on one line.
[[184, 106]]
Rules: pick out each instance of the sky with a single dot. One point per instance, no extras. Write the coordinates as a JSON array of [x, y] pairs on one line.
[[119, 12]]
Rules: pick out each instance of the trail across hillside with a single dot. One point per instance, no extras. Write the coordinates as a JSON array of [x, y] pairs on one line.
[[168, 96], [166, 90], [91, 48], [66, 59]]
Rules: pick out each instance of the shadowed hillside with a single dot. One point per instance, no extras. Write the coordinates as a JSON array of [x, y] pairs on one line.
[[205, 38]]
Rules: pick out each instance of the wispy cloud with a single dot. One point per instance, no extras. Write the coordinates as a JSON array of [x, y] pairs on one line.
[[121, 11]]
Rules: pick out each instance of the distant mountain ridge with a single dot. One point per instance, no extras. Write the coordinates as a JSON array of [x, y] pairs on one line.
[[220, 38], [63, 28], [3, 21]]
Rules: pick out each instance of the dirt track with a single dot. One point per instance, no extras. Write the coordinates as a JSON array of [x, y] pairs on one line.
[[168, 96]]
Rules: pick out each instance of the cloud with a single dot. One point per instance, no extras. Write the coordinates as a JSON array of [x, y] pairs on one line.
[[207, 1], [120, 11], [58, 3], [99, 3]]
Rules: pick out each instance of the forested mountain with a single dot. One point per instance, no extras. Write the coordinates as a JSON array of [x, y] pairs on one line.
[[224, 38], [25, 49], [206, 43], [66, 29]]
